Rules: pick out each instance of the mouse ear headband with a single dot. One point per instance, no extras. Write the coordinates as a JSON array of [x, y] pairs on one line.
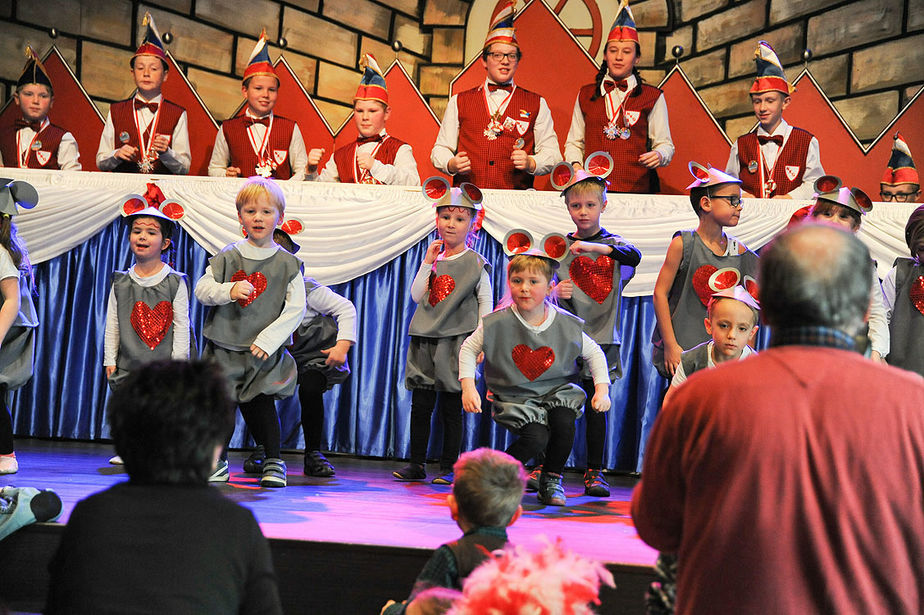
[[597, 166], [552, 247], [708, 176], [438, 190], [153, 203], [292, 226], [829, 188], [15, 194]]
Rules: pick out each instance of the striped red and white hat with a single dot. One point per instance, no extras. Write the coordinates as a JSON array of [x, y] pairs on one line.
[[501, 28], [624, 25], [901, 167], [259, 65], [770, 75]]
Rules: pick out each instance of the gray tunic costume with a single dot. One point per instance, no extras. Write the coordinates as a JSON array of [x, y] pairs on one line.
[[441, 323], [146, 322], [906, 327], [529, 372], [599, 280], [232, 327], [311, 337], [18, 349], [700, 274]]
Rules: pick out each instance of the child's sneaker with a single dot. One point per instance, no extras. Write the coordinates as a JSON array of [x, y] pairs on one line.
[[222, 472], [550, 490], [316, 464], [254, 463], [412, 471], [595, 484], [274, 473], [445, 478], [8, 464], [116, 461], [532, 481]]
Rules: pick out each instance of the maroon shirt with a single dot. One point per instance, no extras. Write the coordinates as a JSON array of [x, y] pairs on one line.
[[277, 147], [786, 487], [791, 155], [345, 156], [123, 121], [50, 138]]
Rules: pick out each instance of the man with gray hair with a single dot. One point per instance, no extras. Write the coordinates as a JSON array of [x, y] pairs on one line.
[[793, 481]]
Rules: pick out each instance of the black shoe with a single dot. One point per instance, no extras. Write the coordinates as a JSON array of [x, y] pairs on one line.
[[317, 464], [532, 481], [274, 473], [550, 490], [445, 478], [595, 484], [412, 471], [254, 463]]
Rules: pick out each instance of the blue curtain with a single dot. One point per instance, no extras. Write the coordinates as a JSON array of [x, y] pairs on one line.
[[368, 415]]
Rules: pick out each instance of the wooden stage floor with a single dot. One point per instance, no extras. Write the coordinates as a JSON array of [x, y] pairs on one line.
[[364, 510]]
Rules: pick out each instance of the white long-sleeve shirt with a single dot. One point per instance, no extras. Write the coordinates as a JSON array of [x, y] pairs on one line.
[[878, 319], [591, 353], [547, 153], [68, 154], [770, 150], [211, 292], [180, 350], [659, 130], [221, 154], [324, 301], [420, 287], [402, 172], [176, 158]]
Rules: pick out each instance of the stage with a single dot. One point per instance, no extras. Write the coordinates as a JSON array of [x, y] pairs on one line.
[[340, 545]]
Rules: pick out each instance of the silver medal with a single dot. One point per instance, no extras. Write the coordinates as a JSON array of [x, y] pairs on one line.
[[123, 137], [752, 166]]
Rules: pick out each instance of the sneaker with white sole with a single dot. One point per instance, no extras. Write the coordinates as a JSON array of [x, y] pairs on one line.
[[222, 473], [116, 461], [274, 473], [8, 464]]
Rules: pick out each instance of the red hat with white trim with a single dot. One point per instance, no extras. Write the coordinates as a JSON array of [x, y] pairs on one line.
[[501, 28], [770, 75], [624, 25], [259, 64], [372, 85], [901, 167], [151, 45]]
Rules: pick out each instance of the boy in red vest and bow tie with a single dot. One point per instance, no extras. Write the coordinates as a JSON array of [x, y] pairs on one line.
[[33, 142], [497, 135], [375, 157], [146, 133], [777, 160], [259, 142]]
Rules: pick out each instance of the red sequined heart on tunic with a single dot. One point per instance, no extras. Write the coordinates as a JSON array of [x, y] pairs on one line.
[[750, 285], [705, 284], [259, 285], [595, 278], [533, 363], [441, 286], [917, 293], [151, 325]]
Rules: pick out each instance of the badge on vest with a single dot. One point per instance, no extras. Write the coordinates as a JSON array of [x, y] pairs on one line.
[[522, 127], [792, 172], [632, 117], [280, 155], [123, 137], [752, 166], [43, 157], [36, 145]]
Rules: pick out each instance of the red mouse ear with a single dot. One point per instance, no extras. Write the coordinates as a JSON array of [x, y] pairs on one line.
[[862, 199], [827, 183], [172, 210], [133, 204], [555, 245], [435, 188], [473, 192], [599, 164], [561, 175], [517, 241], [293, 226], [698, 171]]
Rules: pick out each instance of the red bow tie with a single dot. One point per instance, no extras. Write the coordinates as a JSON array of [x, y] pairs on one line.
[[622, 85], [250, 121], [778, 139], [140, 104], [35, 126], [507, 87], [372, 139]]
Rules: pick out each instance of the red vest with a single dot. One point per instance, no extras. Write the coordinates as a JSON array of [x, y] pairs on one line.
[[491, 164], [123, 121], [277, 147], [627, 175], [49, 138], [792, 155], [344, 157]]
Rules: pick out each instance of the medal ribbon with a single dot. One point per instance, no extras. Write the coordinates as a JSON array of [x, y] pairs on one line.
[[24, 155], [260, 150], [766, 173], [495, 115], [361, 176], [146, 150]]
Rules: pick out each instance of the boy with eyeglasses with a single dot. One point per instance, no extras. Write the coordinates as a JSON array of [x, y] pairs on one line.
[[698, 264], [497, 135], [900, 181]]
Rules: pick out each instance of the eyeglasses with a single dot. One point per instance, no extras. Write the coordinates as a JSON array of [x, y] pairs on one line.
[[497, 56], [900, 197], [733, 199]]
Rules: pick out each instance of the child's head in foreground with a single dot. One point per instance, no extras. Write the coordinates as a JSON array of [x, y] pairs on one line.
[[487, 488], [715, 194], [261, 189], [732, 321], [585, 199]]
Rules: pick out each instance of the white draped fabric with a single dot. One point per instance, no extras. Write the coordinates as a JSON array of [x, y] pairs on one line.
[[353, 229]]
